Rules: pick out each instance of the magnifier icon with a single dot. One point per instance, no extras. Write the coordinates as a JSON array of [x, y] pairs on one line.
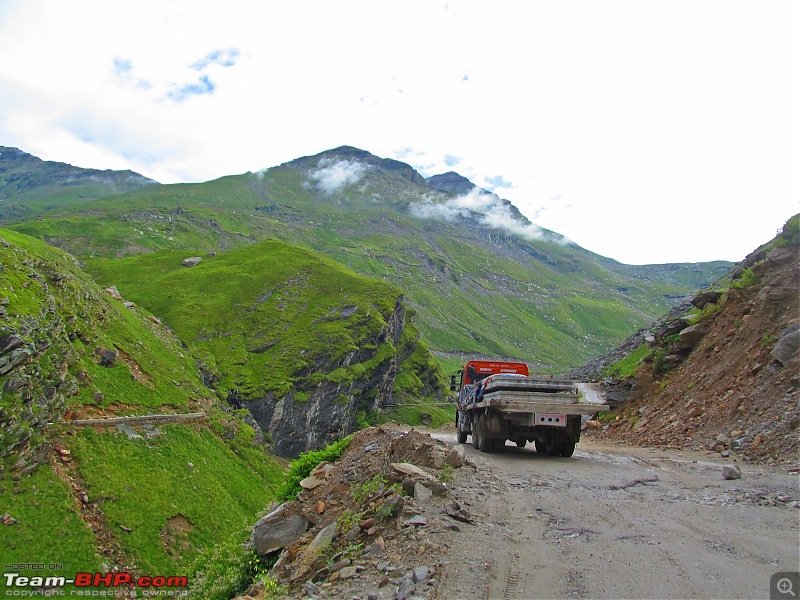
[[785, 587]]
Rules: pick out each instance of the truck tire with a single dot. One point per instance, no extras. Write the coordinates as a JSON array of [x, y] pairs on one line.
[[553, 446], [461, 434], [567, 447], [485, 443], [475, 431], [540, 447]]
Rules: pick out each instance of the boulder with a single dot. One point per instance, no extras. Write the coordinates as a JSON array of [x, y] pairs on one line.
[[455, 458], [191, 262], [693, 334], [107, 356], [788, 344], [277, 530], [731, 472], [703, 298]]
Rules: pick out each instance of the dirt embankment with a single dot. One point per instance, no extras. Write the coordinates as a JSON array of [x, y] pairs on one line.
[[738, 388]]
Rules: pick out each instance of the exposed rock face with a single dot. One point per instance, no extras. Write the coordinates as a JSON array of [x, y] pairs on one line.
[[34, 355], [330, 410]]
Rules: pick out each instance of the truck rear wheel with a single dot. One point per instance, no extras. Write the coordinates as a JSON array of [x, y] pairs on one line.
[[553, 446], [567, 447], [475, 431], [485, 443], [540, 447]]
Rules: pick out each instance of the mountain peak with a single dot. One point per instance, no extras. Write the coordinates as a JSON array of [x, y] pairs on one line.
[[353, 154], [451, 182]]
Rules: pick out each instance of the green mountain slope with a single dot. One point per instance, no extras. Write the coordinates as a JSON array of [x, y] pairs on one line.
[[30, 186], [306, 344], [81, 496], [481, 278]]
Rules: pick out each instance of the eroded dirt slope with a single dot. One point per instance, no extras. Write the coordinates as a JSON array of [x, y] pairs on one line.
[[738, 388]]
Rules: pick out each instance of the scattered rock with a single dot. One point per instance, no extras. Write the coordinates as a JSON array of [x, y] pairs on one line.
[[455, 458], [277, 530], [731, 472], [191, 262], [129, 432], [422, 493], [311, 482], [411, 469], [416, 521], [107, 356], [113, 292]]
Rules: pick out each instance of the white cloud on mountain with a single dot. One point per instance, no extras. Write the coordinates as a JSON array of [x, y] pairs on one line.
[[488, 209], [332, 175]]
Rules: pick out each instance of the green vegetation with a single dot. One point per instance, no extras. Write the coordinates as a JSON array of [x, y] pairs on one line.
[[61, 317], [627, 366], [474, 289], [189, 504], [746, 279], [263, 318], [419, 413], [302, 466], [48, 526], [231, 567]]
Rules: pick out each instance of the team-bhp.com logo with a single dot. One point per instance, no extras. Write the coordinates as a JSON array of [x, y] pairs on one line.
[[92, 584]]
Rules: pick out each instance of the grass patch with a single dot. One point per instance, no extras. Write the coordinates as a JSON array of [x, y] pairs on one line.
[[627, 367], [49, 529], [180, 473]]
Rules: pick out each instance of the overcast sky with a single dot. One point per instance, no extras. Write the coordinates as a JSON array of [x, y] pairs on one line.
[[646, 131]]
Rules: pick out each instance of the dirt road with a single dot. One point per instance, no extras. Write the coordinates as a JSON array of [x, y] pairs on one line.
[[618, 523]]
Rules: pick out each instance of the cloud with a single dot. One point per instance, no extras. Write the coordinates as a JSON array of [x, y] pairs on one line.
[[488, 209], [224, 58], [333, 175], [202, 86]]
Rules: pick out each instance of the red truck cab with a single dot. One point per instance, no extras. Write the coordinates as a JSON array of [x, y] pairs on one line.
[[476, 370]]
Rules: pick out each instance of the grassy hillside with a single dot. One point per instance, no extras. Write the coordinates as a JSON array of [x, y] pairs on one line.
[[124, 497], [273, 323], [260, 317], [475, 289]]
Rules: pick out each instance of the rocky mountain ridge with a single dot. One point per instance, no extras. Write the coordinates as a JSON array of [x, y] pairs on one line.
[[31, 186]]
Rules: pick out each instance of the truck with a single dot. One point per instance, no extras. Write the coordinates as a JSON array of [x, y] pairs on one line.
[[499, 401]]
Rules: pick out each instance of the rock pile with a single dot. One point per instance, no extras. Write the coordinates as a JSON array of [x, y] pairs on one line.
[[367, 525]]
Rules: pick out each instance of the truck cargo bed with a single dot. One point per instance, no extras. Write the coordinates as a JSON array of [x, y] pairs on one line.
[[527, 402]]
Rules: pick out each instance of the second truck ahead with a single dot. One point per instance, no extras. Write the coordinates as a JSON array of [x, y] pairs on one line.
[[499, 401]]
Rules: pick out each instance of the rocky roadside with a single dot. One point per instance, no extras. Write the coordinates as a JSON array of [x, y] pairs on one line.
[[370, 525]]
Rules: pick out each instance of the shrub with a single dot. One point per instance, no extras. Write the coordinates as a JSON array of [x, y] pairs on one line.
[[302, 466], [747, 279]]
